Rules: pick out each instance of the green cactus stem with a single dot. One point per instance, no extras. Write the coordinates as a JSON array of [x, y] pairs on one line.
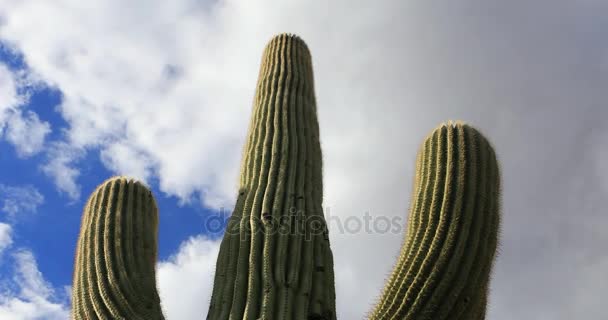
[[114, 273], [274, 260], [445, 262]]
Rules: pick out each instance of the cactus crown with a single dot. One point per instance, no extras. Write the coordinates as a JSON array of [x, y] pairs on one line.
[[275, 261]]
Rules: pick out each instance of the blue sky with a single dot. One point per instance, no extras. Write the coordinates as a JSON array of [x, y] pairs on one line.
[[50, 228], [162, 91]]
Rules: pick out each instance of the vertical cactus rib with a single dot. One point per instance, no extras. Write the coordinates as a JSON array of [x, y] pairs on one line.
[[82, 307], [272, 158], [275, 240], [278, 254], [227, 263], [310, 161], [444, 265], [114, 273]]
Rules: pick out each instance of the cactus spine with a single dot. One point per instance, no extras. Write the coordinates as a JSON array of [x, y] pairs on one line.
[[274, 260], [444, 266], [114, 275]]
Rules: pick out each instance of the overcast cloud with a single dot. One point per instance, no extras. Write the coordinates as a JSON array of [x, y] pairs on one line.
[[164, 89]]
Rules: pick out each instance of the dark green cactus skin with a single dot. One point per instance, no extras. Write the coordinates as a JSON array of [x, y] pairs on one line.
[[444, 267], [274, 260], [114, 270]]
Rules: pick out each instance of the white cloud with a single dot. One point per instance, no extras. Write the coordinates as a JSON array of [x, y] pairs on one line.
[[185, 280], [27, 133], [24, 293], [60, 167], [27, 295], [22, 129], [19, 200], [164, 90], [125, 159], [153, 96]]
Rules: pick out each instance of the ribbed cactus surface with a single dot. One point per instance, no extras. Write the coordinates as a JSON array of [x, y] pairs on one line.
[[274, 260], [114, 272], [444, 266]]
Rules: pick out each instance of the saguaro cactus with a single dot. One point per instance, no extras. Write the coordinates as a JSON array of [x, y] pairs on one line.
[[114, 275], [444, 266], [275, 261]]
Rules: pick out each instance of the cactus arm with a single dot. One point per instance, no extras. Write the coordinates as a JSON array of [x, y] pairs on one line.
[[444, 266], [114, 275]]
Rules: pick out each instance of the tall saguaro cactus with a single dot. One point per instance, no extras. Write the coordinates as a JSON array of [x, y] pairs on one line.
[[444, 266], [114, 275], [275, 261]]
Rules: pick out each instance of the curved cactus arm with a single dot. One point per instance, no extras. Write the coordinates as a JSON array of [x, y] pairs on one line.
[[275, 261], [444, 266], [114, 273]]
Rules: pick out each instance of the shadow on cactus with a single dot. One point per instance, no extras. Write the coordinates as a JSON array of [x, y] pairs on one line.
[[265, 270]]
